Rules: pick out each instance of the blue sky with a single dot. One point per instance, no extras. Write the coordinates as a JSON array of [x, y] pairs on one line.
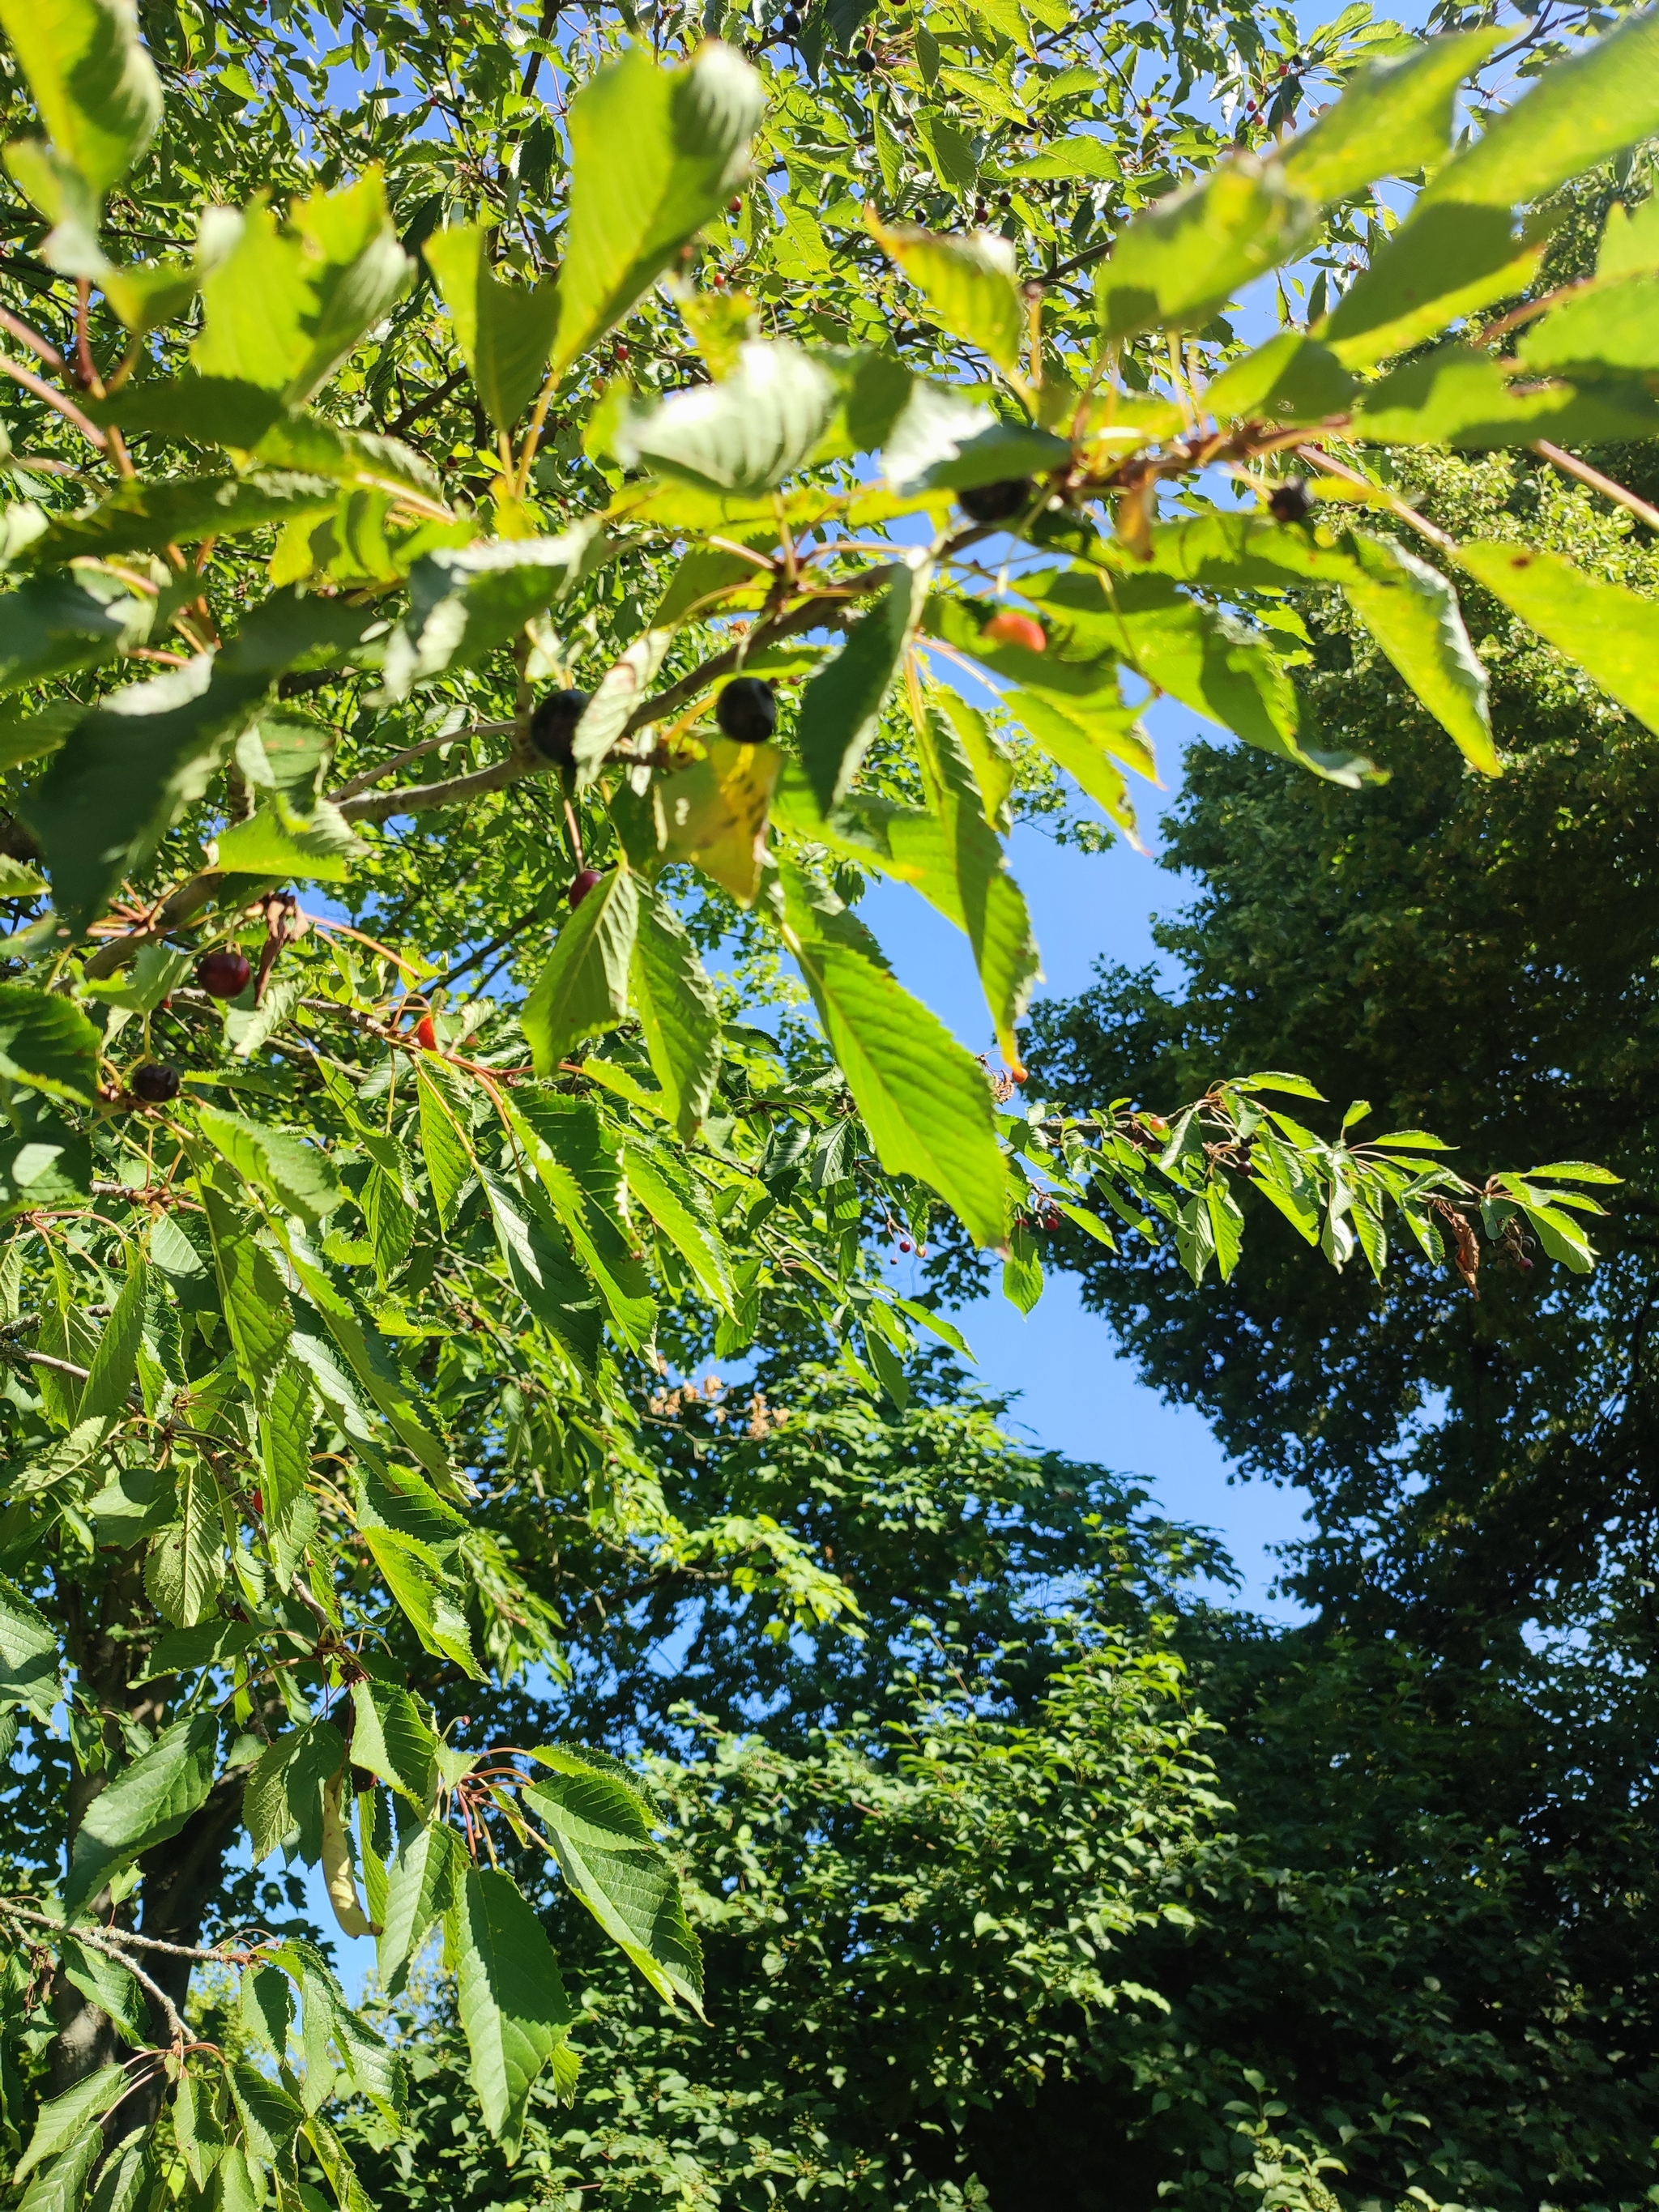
[[1076, 1393]]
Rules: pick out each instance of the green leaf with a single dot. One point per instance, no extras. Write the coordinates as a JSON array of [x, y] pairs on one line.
[[1611, 327], [391, 1740], [1457, 396], [61, 2186], [1022, 1271], [185, 1571], [282, 308], [583, 989], [105, 1983], [93, 82], [54, 624], [563, 1140], [424, 1883], [539, 1268], [271, 2119], [316, 846], [1411, 612], [156, 970], [1087, 736], [987, 903], [1581, 112], [742, 435], [283, 1795], [465, 601], [1394, 116], [62, 2119], [505, 332], [1292, 378], [28, 1655], [679, 1012], [443, 1146], [48, 1043], [145, 1803], [252, 1294], [942, 440], [950, 151], [1612, 633], [840, 708], [288, 1169], [1443, 262], [655, 152], [133, 761], [667, 1198], [925, 1101], [513, 2005], [617, 693], [144, 517], [115, 1362], [366, 1352], [127, 2179], [1175, 265], [601, 1837], [971, 285]]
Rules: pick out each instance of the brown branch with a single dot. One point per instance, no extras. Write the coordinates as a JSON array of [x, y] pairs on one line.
[[1572, 466], [32, 339], [41, 390], [428, 399], [816, 612], [372, 775]]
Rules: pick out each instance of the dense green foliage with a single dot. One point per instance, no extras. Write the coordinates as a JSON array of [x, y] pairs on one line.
[[630, 436]]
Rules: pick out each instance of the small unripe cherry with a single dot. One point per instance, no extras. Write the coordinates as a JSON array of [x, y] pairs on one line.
[[747, 711], [223, 974], [425, 1034], [157, 1084], [553, 727], [584, 883], [1010, 628]]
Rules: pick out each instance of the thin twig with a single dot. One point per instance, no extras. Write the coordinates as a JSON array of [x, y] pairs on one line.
[[1570, 464], [32, 339], [372, 775], [1397, 506], [45, 1359], [41, 390], [226, 1955], [411, 415]]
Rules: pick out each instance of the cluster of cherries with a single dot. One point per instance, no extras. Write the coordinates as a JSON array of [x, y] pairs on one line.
[[224, 974], [746, 712]]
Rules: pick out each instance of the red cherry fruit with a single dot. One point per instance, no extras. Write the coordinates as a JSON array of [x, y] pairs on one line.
[[1009, 629], [904, 1244], [223, 974], [583, 885], [425, 1035], [258, 1497]]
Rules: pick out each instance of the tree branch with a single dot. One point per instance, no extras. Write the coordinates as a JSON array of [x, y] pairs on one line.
[[1572, 466], [41, 390]]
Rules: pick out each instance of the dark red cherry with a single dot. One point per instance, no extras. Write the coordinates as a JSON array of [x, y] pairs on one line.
[[223, 974], [995, 502], [156, 1083], [553, 727], [1292, 501], [747, 710], [584, 883]]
